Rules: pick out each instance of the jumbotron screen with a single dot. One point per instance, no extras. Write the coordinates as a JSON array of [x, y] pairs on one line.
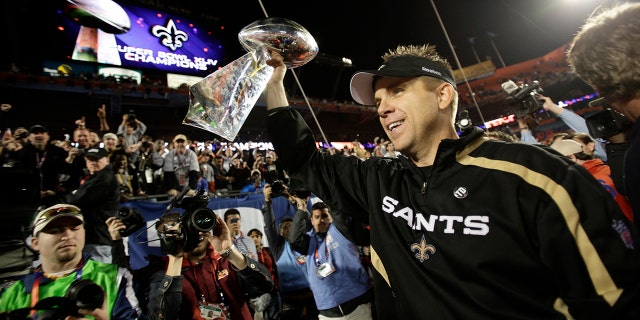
[[107, 32]]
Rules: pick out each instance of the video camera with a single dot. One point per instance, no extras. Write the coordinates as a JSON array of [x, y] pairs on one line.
[[606, 123], [81, 294], [196, 218], [523, 98]]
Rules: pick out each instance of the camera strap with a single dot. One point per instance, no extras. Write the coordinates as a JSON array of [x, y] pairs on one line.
[[35, 289]]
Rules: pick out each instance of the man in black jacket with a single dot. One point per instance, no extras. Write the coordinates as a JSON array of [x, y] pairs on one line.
[[463, 227], [48, 161], [99, 198]]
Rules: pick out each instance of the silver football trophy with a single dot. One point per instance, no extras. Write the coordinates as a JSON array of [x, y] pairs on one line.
[[221, 102]]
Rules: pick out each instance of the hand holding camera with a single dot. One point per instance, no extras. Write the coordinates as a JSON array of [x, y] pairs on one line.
[[83, 298]]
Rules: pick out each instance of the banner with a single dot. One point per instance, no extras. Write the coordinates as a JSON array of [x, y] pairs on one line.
[[145, 242]]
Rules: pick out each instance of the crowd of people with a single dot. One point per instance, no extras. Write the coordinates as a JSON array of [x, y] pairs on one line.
[[425, 222]]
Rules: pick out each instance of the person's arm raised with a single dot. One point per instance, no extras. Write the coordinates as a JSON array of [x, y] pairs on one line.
[[276, 95]]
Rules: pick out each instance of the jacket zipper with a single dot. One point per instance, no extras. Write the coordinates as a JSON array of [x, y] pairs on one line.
[[423, 190]]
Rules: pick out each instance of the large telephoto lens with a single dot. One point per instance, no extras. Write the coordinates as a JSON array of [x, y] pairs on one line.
[[203, 220]]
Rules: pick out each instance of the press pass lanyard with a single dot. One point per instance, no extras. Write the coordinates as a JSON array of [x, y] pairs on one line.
[[326, 250], [201, 291], [35, 289]]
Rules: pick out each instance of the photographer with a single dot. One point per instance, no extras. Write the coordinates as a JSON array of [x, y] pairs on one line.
[[213, 277], [340, 284], [297, 298], [256, 183], [603, 54], [180, 167], [58, 235], [131, 128], [576, 123]]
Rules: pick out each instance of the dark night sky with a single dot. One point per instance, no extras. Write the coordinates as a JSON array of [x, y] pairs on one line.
[[361, 30], [364, 30]]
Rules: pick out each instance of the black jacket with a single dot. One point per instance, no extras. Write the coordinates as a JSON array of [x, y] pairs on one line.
[[492, 230], [98, 198]]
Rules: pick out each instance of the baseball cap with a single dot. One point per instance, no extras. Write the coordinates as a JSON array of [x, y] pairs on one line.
[[96, 153], [567, 147], [110, 135], [180, 137], [46, 216], [256, 171], [38, 129], [400, 66]]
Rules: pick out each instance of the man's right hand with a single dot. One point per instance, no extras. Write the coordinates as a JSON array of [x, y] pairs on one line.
[[276, 95]]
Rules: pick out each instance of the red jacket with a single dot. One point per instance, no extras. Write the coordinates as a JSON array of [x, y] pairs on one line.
[[602, 173]]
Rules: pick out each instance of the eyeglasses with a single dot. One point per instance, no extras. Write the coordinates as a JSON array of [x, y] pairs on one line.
[[234, 220], [52, 212]]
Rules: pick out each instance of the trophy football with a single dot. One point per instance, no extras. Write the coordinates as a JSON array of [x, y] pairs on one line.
[[221, 102]]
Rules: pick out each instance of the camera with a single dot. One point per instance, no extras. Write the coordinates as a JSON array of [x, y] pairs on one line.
[[85, 294], [81, 294], [523, 98], [132, 220], [278, 189], [196, 218], [607, 122], [22, 135], [131, 116]]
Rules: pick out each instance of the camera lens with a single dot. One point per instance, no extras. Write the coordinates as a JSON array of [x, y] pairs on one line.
[[203, 220], [124, 213], [86, 294], [132, 220]]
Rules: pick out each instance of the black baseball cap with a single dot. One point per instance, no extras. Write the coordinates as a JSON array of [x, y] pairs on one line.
[[96, 153], [400, 66], [38, 129]]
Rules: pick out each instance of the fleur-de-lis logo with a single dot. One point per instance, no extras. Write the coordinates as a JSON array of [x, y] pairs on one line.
[[423, 249], [170, 35]]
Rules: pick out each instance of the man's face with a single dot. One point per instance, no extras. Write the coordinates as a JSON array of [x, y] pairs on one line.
[[180, 146], [94, 138], [121, 162], [630, 109], [284, 229], [81, 136], [408, 112], [321, 220], [110, 144], [204, 158], [233, 222], [60, 241], [96, 165], [39, 139]]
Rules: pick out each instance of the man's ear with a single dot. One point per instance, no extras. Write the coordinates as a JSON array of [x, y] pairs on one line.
[[34, 243], [445, 92]]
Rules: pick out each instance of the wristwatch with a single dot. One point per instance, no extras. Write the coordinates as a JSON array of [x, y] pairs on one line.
[[225, 254]]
